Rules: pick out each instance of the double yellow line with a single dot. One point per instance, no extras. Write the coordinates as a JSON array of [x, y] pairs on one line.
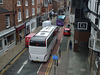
[[49, 66], [2, 72]]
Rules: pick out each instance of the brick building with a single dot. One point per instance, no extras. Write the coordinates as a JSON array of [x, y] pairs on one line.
[[25, 20], [7, 29]]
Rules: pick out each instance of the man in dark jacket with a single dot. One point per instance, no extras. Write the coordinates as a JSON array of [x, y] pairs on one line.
[[70, 45]]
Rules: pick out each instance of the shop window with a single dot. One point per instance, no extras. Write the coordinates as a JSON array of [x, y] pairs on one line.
[[28, 30], [10, 39], [91, 43], [5, 41], [97, 45], [22, 33], [32, 25], [1, 45]]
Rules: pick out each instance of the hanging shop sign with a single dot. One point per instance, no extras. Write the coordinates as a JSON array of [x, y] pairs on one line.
[[82, 26]]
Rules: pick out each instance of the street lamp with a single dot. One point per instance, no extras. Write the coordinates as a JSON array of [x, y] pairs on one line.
[[86, 12]]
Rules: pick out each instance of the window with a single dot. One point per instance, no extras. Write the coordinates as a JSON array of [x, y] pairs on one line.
[[32, 2], [19, 16], [96, 6], [32, 25], [26, 3], [18, 3], [38, 10], [1, 45], [45, 3], [27, 13], [1, 1], [37, 43], [90, 4], [33, 11], [10, 39], [7, 22]]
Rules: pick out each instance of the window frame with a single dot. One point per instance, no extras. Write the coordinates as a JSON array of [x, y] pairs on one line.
[[27, 13], [33, 12], [33, 2], [18, 3], [19, 16], [7, 21], [26, 3]]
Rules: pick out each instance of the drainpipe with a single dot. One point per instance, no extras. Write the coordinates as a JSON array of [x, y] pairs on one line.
[[23, 9], [14, 12]]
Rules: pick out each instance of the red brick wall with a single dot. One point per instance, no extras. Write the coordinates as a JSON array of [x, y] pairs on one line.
[[7, 4], [3, 21], [17, 8]]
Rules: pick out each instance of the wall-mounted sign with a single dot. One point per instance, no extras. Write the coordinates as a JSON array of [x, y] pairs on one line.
[[82, 25]]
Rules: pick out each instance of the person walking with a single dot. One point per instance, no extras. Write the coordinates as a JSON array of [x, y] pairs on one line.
[[70, 45], [20, 37], [50, 15]]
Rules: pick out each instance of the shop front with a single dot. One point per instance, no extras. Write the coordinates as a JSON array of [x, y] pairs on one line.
[[20, 32], [7, 39]]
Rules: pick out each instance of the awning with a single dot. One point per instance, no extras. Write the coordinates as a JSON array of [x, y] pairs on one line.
[[21, 27]]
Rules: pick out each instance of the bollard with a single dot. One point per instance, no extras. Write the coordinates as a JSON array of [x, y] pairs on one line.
[[57, 62], [59, 53]]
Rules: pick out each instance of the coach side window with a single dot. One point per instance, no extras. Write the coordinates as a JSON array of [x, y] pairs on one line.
[[50, 40], [37, 43]]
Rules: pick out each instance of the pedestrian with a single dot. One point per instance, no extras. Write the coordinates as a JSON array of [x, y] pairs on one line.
[[68, 8], [50, 15], [68, 25], [70, 45], [20, 37]]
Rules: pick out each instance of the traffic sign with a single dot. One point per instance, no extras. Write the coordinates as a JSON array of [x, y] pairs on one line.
[[55, 57]]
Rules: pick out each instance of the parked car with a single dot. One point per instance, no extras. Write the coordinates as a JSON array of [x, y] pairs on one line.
[[67, 31]]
